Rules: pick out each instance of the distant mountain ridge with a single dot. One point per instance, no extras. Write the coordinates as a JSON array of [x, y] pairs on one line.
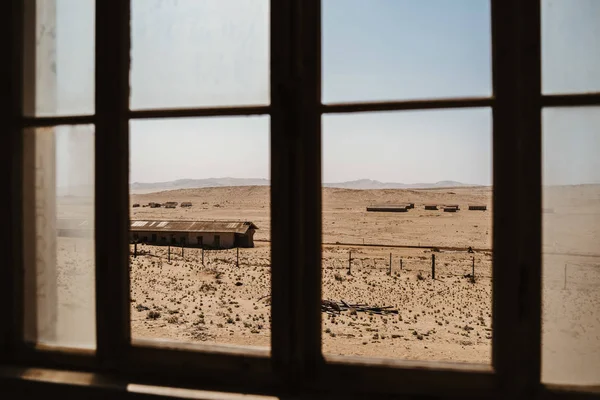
[[141, 187]]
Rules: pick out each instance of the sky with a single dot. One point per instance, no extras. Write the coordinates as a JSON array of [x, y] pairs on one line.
[[191, 53]]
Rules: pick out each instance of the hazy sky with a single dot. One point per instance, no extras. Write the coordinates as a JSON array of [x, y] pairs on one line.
[[188, 53]]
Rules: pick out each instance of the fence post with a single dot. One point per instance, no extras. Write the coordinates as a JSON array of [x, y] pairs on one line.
[[237, 262], [433, 266], [203, 256], [390, 273], [350, 262], [473, 268], [182, 250], [400, 264], [135, 250], [169, 255]]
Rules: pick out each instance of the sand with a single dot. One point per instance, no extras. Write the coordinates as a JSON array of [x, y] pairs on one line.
[[446, 319]]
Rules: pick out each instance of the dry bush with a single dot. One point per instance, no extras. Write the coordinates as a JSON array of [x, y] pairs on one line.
[[153, 314]]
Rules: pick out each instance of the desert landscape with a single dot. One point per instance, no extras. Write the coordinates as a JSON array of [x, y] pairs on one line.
[[405, 314]]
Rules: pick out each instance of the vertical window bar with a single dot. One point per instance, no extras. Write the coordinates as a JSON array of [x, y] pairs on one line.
[[307, 302], [283, 231], [11, 153], [530, 189], [112, 175], [516, 310]]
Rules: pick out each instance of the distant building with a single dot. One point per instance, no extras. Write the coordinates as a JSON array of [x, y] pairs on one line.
[[388, 208], [186, 204], [209, 234]]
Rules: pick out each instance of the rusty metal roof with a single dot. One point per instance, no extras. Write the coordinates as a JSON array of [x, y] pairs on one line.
[[192, 226]]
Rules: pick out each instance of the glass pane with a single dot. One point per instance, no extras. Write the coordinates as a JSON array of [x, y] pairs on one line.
[[407, 223], [190, 53], [200, 212], [58, 202], [59, 57], [571, 246], [403, 49], [570, 50]]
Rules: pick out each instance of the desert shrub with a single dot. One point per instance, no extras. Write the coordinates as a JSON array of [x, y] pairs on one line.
[[152, 314]]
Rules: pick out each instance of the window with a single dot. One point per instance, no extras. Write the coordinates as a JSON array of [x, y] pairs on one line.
[[522, 304]]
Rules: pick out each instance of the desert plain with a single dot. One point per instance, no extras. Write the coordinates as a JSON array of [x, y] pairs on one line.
[[225, 300]]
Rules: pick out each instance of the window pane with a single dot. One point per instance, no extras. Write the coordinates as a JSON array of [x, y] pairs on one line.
[[59, 236], [570, 51], [571, 246], [190, 53], [200, 271], [404, 49], [392, 182], [59, 57]]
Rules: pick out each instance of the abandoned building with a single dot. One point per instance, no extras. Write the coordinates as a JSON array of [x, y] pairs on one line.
[[477, 207], [388, 208], [209, 234]]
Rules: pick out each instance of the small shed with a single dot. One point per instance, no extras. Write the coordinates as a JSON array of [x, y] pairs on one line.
[[431, 206], [206, 234], [477, 207], [450, 209], [186, 204], [388, 208]]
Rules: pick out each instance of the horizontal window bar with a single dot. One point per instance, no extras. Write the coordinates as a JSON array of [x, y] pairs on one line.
[[208, 367], [408, 105], [44, 356], [410, 377], [571, 100], [200, 112], [569, 392], [40, 122]]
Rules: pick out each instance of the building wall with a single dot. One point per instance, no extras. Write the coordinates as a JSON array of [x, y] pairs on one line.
[[191, 238]]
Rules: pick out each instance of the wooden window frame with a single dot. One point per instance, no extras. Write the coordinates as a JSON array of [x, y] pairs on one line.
[[295, 363]]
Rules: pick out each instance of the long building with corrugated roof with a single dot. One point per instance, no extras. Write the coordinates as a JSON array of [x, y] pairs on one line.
[[210, 234]]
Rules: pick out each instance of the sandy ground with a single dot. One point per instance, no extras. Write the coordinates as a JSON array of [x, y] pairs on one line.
[[444, 319]]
